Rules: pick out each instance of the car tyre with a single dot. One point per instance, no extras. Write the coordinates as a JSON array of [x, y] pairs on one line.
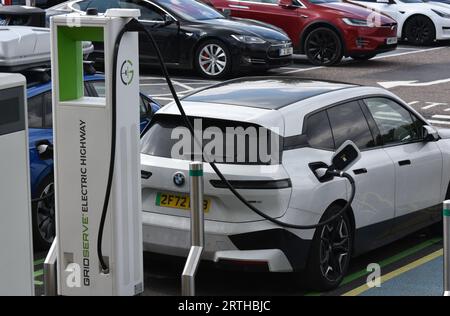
[[323, 47], [330, 252], [43, 216], [420, 30], [213, 60]]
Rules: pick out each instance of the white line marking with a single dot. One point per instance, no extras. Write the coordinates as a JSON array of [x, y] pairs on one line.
[[438, 122], [189, 88], [163, 99], [432, 105], [302, 69], [408, 48], [408, 53], [153, 84], [179, 93], [287, 68], [442, 117], [377, 57], [411, 83], [413, 102], [184, 80]]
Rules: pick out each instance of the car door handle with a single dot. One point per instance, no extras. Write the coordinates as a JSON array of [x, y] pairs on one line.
[[360, 171], [404, 163], [238, 6], [146, 174]]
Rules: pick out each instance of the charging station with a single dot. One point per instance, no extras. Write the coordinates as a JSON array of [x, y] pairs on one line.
[[84, 132], [16, 261]]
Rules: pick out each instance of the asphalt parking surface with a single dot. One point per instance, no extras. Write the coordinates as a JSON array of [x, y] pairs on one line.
[[421, 76]]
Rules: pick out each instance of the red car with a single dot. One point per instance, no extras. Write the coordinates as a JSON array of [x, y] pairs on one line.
[[323, 30]]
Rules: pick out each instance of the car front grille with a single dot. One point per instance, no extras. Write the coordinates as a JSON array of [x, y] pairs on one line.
[[392, 26], [274, 50]]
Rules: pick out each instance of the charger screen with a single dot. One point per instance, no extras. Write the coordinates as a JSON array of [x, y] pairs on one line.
[[12, 110], [9, 111]]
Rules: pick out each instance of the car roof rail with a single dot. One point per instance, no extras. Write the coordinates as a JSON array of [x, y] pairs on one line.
[[37, 75], [88, 67], [41, 75]]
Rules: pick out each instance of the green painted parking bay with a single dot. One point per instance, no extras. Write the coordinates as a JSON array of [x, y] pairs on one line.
[[424, 279]]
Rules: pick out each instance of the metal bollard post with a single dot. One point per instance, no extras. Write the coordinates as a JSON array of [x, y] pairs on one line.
[[446, 218], [197, 229], [197, 220], [50, 284]]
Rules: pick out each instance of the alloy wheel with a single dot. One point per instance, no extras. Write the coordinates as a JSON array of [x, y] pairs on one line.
[[45, 215], [420, 31], [323, 47], [334, 249], [212, 60]]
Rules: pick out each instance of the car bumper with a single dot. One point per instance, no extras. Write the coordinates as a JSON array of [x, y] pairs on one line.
[[443, 32], [360, 41], [228, 244], [260, 56]]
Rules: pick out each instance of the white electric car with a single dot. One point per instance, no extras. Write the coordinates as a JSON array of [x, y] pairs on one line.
[[401, 179], [419, 22]]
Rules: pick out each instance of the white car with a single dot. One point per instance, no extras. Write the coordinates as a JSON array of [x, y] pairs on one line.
[[401, 179], [443, 3], [419, 22]]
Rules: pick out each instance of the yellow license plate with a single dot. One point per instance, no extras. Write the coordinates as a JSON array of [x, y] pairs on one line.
[[179, 201]]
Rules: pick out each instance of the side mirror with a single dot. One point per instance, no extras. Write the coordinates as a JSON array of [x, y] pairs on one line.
[[345, 156], [168, 20], [286, 3], [430, 134], [44, 149], [226, 13], [148, 112]]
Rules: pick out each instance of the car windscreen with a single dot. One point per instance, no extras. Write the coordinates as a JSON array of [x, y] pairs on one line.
[[224, 141], [13, 19], [3, 20], [191, 9]]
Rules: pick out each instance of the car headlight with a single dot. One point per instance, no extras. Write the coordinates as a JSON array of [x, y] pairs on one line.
[[357, 22], [248, 39], [441, 14]]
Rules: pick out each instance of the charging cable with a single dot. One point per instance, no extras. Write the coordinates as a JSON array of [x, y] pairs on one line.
[[135, 26]]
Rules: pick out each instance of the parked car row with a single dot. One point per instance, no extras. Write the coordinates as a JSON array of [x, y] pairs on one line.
[[420, 22], [218, 38], [323, 30], [192, 35]]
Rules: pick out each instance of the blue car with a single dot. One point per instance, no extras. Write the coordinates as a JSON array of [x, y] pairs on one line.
[[41, 132]]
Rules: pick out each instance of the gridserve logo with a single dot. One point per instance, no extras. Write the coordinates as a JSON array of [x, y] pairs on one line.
[[127, 72]]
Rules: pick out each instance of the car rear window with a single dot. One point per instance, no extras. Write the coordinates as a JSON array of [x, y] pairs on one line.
[[227, 142], [349, 123], [318, 131]]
